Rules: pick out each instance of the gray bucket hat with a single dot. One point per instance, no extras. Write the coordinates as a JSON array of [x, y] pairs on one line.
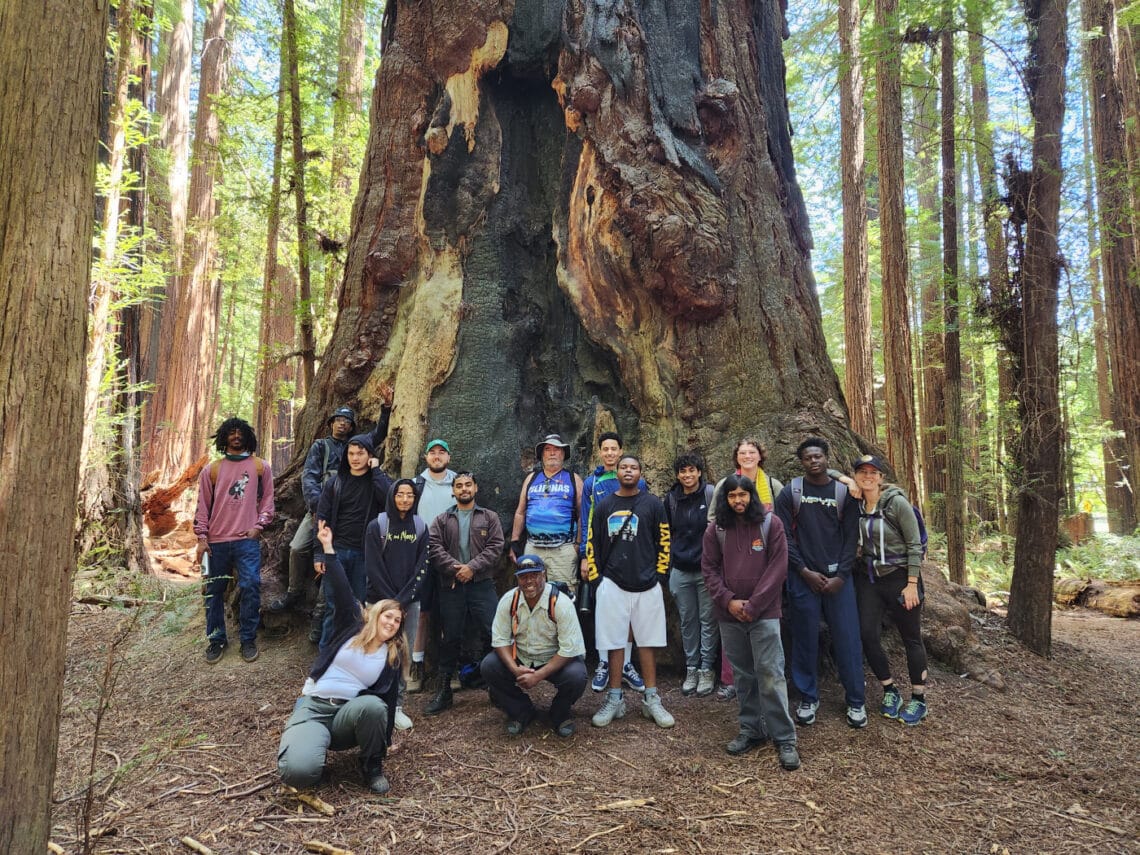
[[551, 439]]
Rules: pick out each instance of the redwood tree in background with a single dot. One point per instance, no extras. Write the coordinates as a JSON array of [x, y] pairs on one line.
[[574, 211], [51, 59]]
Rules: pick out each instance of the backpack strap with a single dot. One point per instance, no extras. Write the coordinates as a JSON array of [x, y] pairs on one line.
[[797, 495], [841, 496], [710, 494], [216, 467], [515, 614], [765, 527]]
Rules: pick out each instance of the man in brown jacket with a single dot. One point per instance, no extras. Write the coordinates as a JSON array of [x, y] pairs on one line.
[[466, 543]]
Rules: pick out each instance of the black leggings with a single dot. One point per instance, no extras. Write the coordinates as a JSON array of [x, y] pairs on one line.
[[883, 595]]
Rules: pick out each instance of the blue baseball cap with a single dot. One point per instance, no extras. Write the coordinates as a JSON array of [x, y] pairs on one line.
[[869, 460], [530, 564]]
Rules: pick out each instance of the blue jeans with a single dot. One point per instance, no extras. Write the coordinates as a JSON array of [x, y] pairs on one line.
[[842, 615], [243, 559], [756, 654], [698, 629], [352, 560]]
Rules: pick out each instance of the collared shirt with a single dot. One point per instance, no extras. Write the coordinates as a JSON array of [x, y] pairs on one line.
[[539, 638]]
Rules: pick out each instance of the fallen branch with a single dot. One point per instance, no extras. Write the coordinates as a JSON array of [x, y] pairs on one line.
[[194, 845], [620, 760], [586, 840], [55, 848], [319, 805], [541, 786], [122, 602], [325, 848], [627, 803]]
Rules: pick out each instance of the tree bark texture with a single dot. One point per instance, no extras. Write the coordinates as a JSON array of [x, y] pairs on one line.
[[182, 403], [573, 212], [1118, 252], [897, 353], [1031, 590], [51, 59], [858, 358]]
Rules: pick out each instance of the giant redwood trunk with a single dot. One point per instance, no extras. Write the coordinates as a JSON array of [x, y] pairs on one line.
[[572, 211]]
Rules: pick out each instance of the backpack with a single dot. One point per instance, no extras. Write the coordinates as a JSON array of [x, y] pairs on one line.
[[556, 588], [765, 526], [923, 537], [382, 522]]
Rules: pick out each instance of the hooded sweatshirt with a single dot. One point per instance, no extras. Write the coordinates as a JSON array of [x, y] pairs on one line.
[[888, 536], [349, 501], [688, 518], [396, 565], [746, 568]]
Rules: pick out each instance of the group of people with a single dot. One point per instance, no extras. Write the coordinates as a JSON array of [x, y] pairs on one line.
[[590, 559]]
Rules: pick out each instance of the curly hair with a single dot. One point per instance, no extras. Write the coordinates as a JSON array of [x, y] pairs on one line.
[[726, 517], [688, 458], [812, 442], [248, 437], [757, 444]]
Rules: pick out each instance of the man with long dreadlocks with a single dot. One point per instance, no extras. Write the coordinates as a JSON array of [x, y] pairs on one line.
[[235, 503]]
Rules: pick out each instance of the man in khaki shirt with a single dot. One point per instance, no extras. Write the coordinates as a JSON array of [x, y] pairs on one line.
[[536, 637]]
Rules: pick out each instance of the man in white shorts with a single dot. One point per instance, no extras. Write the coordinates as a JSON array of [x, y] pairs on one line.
[[629, 549]]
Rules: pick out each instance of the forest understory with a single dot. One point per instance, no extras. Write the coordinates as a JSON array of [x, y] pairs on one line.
[[186, 750]]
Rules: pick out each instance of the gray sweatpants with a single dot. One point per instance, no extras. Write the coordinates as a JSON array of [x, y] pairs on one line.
[[317, 727]]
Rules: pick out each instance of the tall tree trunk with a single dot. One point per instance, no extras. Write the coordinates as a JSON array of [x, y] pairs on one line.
[[1118, 238], [181, 406], [51, 59], [304, 238], [1031, 591], [532, 254], [858, 359], [898, 362], [172, 103], [997, 260], [955, 504]]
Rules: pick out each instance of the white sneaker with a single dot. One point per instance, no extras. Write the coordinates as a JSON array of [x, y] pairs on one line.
[[805, 712], [401, 721], [690, 684], [857, 717], [706, 682], [614, 707], [651, 708]]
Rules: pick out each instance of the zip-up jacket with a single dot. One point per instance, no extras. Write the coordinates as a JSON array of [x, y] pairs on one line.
[[485, 543], [323, 460], [687, 514], [889, 536]]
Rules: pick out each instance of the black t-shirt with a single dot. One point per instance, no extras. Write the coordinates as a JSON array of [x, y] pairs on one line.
[[816, 536], [630, 540], [351, 518]]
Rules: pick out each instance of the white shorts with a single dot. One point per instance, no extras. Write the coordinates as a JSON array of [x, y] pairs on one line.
[[615, 611]]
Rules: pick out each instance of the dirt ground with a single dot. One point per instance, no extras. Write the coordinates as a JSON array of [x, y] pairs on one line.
[[188, 750]]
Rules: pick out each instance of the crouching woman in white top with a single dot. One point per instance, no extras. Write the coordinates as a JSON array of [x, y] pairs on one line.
[[350, 694]]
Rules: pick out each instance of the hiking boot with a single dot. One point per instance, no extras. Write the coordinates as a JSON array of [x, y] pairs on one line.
[[601, 677], [913, 713], [805, 712], [374, 777], [892, 703], [789, 757], [401, 721], [442, 701], [285, 603], [726, 693], [415, 681], [857, 717], [651, 708], [249, 650], [566, 729], [690, 684], [515, 727], [214, 651], [743, 743], [706, 682], [631, 679], [613, 707]]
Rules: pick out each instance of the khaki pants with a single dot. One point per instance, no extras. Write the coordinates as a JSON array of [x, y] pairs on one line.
[[561, 563]]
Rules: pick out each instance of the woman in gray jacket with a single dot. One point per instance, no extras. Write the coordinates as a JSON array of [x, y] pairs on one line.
[[890, 579]]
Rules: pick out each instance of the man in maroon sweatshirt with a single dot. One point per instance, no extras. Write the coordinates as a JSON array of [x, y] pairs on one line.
[[235, 502], [744, 560]]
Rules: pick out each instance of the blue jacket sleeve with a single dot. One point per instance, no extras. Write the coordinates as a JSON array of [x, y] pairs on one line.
[[312, 475], [784, 511]]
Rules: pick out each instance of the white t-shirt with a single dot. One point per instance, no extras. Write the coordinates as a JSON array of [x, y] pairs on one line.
[[351, 672]]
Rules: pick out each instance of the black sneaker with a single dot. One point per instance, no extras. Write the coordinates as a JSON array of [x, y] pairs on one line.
[[566, 729], [214, 651], [249, 650], [789, 757]]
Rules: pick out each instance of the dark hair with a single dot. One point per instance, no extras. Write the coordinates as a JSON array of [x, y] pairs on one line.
[[688, 458], [631, 457], [248, 437], [610, 434], [754, 441], [464, 473], [812, 442], [726, 517]]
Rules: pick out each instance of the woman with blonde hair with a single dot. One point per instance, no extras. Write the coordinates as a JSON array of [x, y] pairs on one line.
[[350, 695]]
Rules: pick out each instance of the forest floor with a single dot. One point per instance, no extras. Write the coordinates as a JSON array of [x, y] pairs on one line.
[[188, 750]]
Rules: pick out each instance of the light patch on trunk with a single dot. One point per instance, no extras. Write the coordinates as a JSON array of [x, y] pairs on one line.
[[463, 88]]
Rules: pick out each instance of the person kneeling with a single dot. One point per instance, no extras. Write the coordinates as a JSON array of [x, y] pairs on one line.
[[536, 637], [351, 690]]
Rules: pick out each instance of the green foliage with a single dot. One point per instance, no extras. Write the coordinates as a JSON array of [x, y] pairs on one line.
[[1105, 556]]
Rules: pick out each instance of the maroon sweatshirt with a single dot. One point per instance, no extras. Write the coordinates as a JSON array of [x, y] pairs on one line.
[[746, 569]]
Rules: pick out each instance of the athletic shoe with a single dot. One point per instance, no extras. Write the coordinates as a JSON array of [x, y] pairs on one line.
[[214, 651], [249, 650], [415, 681], [651, 708], [857, 717], [789, 757], [726, 693], [631, 678], [706, 682], [401, 720], [566, 729], [613, 707], [892, 703], [743, 743], [690, 684], [516, 727], [601, 677], [913, 712], [805, 712], [285, 603]]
